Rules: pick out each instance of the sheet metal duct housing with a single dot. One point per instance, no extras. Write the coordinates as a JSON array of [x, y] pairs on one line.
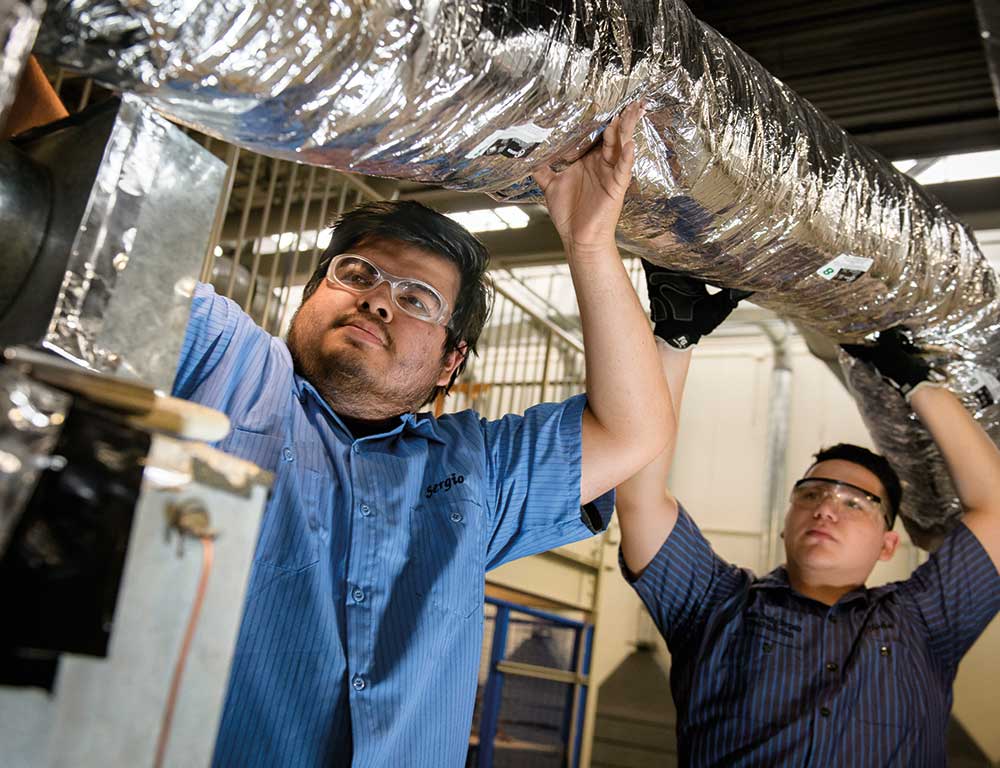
[[737, 179], [113, 210]]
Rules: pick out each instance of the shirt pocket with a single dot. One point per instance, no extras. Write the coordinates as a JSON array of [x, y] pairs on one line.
[[764, 677], [289, 530], [891, 690], [446, 557]]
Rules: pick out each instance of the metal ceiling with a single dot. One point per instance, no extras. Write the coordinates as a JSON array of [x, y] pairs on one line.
[[910, 78]]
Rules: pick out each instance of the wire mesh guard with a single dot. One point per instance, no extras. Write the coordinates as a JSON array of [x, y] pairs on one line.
[[522, 718]]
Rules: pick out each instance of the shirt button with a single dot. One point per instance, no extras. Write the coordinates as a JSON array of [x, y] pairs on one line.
[[289, 454], [358, 683], [358, 595], [831, 666], [825, 711], [456, 516], [885, 650], [366, 510]]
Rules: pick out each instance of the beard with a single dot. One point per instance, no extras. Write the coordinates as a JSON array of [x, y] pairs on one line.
[[347, 381]]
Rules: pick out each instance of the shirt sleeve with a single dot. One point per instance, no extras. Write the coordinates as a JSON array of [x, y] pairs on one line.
[[533, 488], [221, 343], [956, 593], [684, 583], [211, 326]]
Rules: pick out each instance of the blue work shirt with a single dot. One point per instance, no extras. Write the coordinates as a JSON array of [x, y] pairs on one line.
[[362, 625], [763, 676]]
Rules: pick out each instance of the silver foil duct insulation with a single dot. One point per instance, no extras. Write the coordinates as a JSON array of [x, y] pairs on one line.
[[738, 180], [18, 26]]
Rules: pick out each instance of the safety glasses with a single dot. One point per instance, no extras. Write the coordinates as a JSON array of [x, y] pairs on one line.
[[414, 297], [850, 500]]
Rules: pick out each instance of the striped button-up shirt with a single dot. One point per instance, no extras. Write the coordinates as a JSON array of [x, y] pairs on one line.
[[763, 676], [363, 618]]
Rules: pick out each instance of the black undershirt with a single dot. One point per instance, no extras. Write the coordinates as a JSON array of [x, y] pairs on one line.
[[363, 428]]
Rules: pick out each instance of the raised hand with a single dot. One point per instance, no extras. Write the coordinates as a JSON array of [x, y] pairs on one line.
[[681, 307], [897, 359], [585, 199]]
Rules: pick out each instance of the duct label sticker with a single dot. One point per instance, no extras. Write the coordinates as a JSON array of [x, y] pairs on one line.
[[985, 388], [517, 141], [845, 268]]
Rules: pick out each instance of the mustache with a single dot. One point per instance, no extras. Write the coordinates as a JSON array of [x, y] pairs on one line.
[[365, 319]]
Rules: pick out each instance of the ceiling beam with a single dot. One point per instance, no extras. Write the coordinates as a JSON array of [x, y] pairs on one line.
[[972, 134], [975, 202]]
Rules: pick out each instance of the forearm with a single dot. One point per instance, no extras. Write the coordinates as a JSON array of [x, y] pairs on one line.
[[626, 391], [972, 458], [647, 511], [628, 410]]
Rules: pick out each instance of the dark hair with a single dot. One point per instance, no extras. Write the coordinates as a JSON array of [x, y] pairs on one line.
[[409, 222], [877, 465]]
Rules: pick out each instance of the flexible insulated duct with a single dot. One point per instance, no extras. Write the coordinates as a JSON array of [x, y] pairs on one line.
[[738, 179]]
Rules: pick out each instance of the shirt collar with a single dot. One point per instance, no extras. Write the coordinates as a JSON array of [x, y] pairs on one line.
[[778, 579], [423, 424]]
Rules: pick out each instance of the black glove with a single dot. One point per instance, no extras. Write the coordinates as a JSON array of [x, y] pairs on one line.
[[682, 308], [896, 358]]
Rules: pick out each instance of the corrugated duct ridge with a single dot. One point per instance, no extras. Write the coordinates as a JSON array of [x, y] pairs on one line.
[[738, 180]]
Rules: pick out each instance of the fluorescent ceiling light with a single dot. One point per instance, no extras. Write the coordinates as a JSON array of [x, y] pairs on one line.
[[941, 170], [482, 220], [289, 241], [491, 219], [513, 215]]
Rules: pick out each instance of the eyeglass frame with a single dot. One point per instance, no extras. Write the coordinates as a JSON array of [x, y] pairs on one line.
[[887, 514], [393, 281]]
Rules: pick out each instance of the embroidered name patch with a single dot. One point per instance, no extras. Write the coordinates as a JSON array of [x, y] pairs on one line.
[[444, 485]]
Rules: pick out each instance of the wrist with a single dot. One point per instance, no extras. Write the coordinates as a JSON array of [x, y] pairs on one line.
[[588, 251], [934, 382]]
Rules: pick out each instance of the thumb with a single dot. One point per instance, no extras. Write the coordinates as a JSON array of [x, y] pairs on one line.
[[542, 175]]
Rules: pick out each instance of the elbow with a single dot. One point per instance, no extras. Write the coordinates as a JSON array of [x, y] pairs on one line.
[[650, 442], [658, 430]]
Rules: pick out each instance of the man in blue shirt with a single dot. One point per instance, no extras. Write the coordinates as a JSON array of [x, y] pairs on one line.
[[362, 625], [806, 666]]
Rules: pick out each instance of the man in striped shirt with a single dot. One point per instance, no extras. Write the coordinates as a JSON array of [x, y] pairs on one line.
[[807, 666], [363, 619]]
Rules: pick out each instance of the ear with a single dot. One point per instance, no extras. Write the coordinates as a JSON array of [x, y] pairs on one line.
[[890, 540], [451, 361]]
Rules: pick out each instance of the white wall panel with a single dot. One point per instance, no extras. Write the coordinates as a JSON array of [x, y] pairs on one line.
[[718, 472]]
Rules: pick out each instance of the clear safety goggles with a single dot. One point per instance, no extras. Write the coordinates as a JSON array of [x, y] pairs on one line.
[[849, 500], [414, 297]]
